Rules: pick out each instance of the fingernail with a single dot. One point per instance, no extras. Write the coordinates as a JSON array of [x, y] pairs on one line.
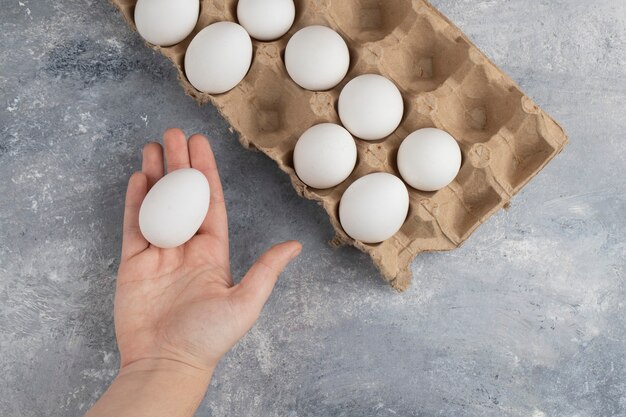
[[295, 253]]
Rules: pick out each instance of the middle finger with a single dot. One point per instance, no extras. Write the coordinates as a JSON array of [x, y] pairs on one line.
[[176, 150]]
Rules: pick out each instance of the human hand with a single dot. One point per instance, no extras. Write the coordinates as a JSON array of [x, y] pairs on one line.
[[180, 305]]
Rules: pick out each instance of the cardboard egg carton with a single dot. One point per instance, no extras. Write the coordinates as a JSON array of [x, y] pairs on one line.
[[446, 83]]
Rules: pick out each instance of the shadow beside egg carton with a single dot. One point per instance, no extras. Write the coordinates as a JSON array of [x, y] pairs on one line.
[[446, 83]]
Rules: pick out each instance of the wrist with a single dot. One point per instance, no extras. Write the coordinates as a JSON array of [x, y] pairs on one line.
[[154, 387], [162, 367]]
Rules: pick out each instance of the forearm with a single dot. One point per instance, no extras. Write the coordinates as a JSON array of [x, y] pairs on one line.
[[154, 388]]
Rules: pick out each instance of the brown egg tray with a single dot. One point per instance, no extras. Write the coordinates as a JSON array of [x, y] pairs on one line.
[[447, 83]]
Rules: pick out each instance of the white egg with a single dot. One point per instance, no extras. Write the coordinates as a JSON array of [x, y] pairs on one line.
[[374, 207], [175, 208], [266, 20], [317, 58], [371, 107], [218, 57], [429, 159], [325, 155], [166, 22]]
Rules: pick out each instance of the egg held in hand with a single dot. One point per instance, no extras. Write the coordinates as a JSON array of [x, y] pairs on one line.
[[374, 207], [174, 208], [429, 159]]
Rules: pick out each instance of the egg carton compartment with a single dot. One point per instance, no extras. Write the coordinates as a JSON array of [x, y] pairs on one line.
[[446, 82], [416, 60], [362, 21]]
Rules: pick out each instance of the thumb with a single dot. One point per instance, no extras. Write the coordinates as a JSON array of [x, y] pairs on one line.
[[256, 287]]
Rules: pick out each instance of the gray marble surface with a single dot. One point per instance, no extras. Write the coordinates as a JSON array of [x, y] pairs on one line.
[[526, 319]]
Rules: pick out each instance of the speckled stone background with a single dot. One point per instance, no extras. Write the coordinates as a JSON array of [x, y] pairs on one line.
[[527, 319]]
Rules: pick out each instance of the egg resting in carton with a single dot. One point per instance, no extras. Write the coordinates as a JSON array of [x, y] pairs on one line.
[[446, 83]]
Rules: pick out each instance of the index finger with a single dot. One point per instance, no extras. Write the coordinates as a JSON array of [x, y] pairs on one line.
[[202, 159]]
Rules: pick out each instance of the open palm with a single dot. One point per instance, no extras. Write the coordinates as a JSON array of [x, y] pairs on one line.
[[180, 304]]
